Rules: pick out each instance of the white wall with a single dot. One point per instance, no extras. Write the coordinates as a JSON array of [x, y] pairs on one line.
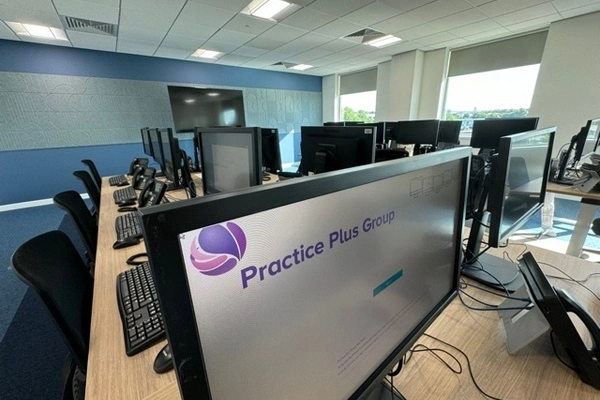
[[330, 94], [383, 92], [433, 83], [567, 92]]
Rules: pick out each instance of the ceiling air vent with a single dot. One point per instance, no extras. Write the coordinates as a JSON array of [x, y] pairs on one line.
[[86, 25], [365, 35]]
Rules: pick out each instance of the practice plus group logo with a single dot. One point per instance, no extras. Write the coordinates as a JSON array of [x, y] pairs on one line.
[[218, 248]]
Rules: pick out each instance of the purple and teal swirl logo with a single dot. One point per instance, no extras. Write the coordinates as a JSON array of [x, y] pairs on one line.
[[218, 248]]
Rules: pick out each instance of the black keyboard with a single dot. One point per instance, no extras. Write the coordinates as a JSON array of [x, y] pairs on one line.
[[117, 180], [140, 312], [124, 195], [128, 225]]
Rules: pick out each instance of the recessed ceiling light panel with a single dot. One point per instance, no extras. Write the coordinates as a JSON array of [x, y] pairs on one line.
[[202, 53], [37, 31], [383, 41]]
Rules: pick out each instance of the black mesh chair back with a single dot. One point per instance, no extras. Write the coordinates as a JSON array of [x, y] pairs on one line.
[[71, 202], [50, 265], [90, 187], [95, 174]]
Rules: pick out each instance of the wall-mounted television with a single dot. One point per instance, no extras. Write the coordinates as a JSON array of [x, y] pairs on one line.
[[206, 107]]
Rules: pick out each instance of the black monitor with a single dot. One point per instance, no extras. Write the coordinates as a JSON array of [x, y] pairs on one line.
[[385, 132], [147, 144], [418, 132], [513, 191], [330, 148], [171, 166], [449, 131], [305, 285], [582, 145], [271, 154], [587, 139], [230, 158], [156, 145], [486, 133]]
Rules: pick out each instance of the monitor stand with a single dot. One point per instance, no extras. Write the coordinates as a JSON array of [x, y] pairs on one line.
[[490, 270], [384, 392]]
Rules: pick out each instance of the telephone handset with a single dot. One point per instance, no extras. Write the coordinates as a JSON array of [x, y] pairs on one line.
[[140, 180], [152, 193], [142, 162]]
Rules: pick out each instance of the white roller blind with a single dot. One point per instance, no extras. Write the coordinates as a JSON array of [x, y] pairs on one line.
[[509, 53], [357, 82]]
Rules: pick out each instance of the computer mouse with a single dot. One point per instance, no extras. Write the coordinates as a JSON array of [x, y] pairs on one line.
[[164, 360], [124, 209], [129, 241], [126, 203], [123, 183]]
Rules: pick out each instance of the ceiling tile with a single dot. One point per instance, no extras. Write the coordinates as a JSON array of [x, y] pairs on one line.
[[88, 10], [7, 33], [338, 8], [171, 52], [248, 24], [536, 23], [283, 34], [459, 19], [143, 20], [499, 7], [235, 38], [526, 14], [475, 28], [93, 41], [233, 59], [579, 11], [138, 35], [439, 9], [337, 45], [339, 28], [406, 5], [265, 43], [401, 47], [185, 43], [398, 23], [307, 18], [487, 35], [37, 17], [371, 14], [230, 5], [438, 38], [564, 5], [220, 45], [249, 51], [199, 14], [169, 9], [314, 53], [191, 29], [62, 43], [32, 5]]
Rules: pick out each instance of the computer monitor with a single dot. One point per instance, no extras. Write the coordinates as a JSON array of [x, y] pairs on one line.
[[449, 131], [385, 132], [171, 166], [271, 154], [156, 145], [582, 145], [146, 141], [486, 133], [230, 158], [421, 131], [513, 191], [330, 148], [306, 286]]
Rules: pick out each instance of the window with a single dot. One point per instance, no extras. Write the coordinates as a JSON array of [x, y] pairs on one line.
[[358, 106], [504, 93]]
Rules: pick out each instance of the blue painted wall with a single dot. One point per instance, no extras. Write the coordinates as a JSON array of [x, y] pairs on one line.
[[59, 105]]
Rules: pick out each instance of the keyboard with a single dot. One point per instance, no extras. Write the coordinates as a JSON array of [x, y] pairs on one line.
[[140, 312], [128, 225], [117, 180], [124, 195]]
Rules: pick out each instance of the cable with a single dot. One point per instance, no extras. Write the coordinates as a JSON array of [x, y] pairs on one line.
[[572, 279], [468, 365]]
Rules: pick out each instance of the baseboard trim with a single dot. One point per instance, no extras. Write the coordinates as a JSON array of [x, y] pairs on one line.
[[34, 203]]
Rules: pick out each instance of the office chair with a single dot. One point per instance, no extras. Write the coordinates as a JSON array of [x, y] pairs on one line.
[[95, 173], [50, 265], [91, 188], [71, 202]]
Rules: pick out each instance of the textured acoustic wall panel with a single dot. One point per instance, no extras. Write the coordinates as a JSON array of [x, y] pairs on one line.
[[49, 111]]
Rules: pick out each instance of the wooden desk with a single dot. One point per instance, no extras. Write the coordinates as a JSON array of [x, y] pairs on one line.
[[588, 205], [534, 373]]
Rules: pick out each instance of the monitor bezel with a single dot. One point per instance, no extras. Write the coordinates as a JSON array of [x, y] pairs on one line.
[[582, 139], [171, 164], [451, 126], [163, 224], [256, 138], [146, 143], [268, 135], [500, 179], [156, 142], [357, 132]]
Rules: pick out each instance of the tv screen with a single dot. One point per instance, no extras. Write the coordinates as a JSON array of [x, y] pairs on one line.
[[205, 107]]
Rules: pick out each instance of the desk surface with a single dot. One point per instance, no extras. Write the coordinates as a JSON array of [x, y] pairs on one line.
[[553, 187], [532, 373]]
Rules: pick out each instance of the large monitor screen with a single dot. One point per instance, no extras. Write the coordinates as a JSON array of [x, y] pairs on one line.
[[206, 107], [171, 157], [271, 153], [311, 288], [231, 158], [486, 133], [587, 139], [516, 188], [156, 145], [421, 131], [330, 148]]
